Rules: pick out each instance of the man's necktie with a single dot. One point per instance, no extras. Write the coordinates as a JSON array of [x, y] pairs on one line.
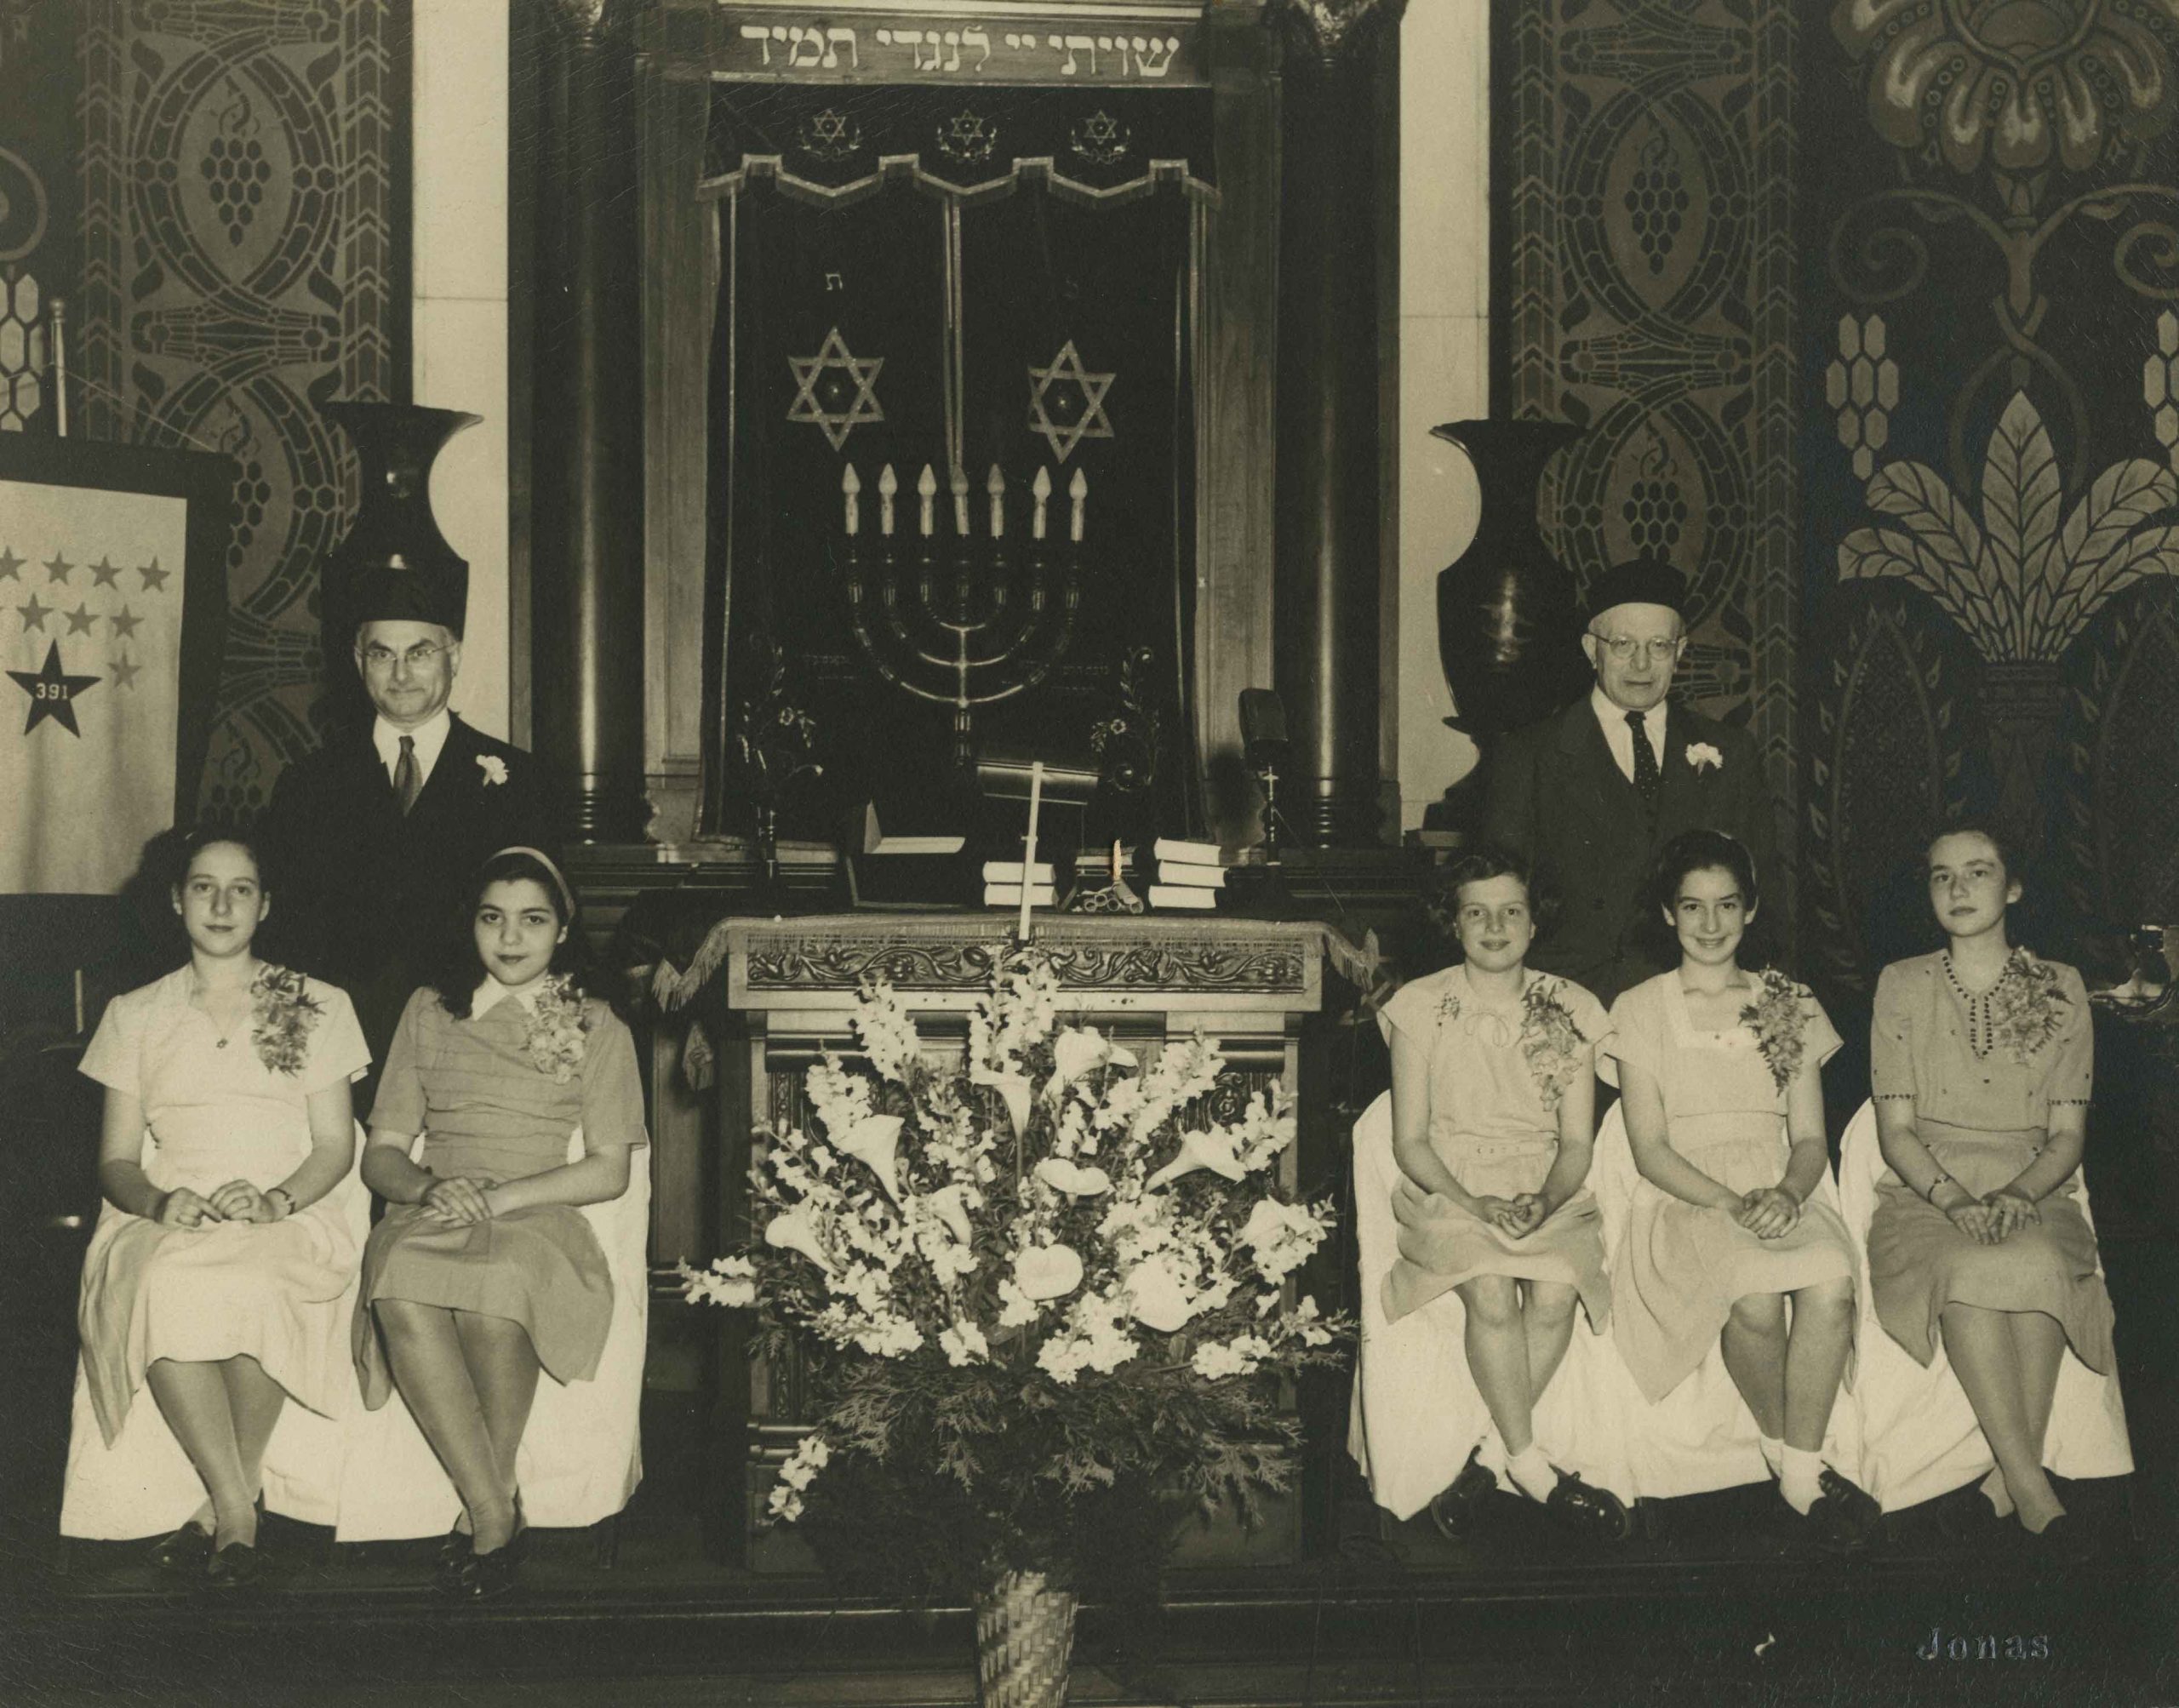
[[407, 782], [1648, 780]]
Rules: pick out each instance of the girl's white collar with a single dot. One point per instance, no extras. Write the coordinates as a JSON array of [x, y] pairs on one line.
[[491, 993]]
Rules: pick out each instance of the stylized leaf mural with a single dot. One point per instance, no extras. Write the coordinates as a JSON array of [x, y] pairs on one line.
[[2023, 581]]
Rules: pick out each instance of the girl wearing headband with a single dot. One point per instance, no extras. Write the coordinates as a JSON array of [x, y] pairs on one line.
[[483, 1272]]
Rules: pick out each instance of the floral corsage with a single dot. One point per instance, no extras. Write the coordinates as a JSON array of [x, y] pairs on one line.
[[1774, 1018], [1551, 1041], [559, 1030], [2027, 1007], [283, 1015]]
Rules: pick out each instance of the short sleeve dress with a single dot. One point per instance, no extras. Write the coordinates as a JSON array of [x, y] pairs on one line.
[[1679, 1266], [216, 1111], [1982, 1072], [1497, 1069], [497, 1097]]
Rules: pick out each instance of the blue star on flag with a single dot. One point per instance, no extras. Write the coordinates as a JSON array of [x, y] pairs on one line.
[[125, 624], [155, 578], [57, 569], [102, 575], [33, 614], [124, 673], [10, 567], [80, 619], [52, 691]]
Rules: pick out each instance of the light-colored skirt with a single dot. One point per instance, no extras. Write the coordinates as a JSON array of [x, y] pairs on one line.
[[270, 1291], [1442, 1245], [541, 1267], [1681, 1267], [1919, 1262]]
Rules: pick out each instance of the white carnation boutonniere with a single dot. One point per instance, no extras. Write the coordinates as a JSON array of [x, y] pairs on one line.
[[1704, 757], [493, 767]]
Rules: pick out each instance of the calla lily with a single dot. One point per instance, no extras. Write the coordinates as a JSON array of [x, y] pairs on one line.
[[1155, 1298], [875, 1142], [1057, 1172], [1211, 1151], [795, 1231], [947, 1204], [1047, 1271], [1014, 1089], [1265, 1224], [1080, 1050]]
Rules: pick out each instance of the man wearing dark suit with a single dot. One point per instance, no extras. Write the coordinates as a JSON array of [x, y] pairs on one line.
[[1591, 795], [373, 837]]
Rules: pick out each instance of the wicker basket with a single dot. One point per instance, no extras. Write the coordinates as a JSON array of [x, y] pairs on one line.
[[1025, 1641]]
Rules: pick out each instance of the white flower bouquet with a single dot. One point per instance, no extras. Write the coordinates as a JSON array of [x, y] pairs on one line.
[[1042, 1296]]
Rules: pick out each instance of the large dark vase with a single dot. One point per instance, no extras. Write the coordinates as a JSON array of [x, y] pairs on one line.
[[1508, 628], [396, 444]]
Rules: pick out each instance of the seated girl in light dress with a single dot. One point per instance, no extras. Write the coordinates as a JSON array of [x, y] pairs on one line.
[[1718, 1069], [1494, 1100], [1981, 1056], [483, 1272], [218, 1286]]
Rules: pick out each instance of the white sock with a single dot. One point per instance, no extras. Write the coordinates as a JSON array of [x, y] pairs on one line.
[[1531, 1473], [1798, 1478], [1774, 1451]]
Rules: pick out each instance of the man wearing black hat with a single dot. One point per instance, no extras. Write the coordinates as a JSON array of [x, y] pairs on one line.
[[1591, 794], [375, 836]]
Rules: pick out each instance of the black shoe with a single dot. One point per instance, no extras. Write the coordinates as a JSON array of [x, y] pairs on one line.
[[1584, 1507], [238, 1566], [1454, 1511], [455, 1547], [185, 1551], [483, 1577], [1846, 1517]]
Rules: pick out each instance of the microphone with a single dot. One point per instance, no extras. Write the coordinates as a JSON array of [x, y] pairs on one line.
[[1263, 730]]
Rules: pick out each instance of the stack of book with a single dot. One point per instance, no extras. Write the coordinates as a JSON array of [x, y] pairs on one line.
[[1189, 874], [1002, 880]]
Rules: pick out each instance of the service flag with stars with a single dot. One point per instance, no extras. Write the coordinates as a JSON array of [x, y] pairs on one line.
[[95, 697]]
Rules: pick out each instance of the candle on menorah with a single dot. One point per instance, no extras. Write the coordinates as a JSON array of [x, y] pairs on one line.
[[971, 620]]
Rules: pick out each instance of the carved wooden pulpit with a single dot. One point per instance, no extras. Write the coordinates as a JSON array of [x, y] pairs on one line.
[[788, 990]]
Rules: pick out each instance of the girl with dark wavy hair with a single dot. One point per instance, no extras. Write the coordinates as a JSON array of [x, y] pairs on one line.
[[214, 1283], [483, 1274], [1733, 1236]]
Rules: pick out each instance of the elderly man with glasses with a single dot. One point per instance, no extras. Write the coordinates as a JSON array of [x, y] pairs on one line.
[[1592, 793], [373, 837]]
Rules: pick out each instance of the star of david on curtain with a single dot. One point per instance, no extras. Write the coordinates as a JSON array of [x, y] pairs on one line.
[[983, 294]]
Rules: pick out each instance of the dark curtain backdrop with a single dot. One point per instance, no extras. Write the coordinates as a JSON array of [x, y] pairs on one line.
[[832, 351]]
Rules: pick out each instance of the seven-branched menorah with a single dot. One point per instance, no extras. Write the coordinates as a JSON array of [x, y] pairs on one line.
[[983, 622]]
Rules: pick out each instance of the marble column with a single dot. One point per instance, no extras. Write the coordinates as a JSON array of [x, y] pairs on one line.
[[586, 573], [1326, 558]]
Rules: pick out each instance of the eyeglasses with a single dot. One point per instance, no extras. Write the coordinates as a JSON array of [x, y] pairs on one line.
[[377, 657], [1623, 648]]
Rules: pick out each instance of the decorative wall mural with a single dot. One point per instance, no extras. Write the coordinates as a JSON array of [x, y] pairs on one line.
[[1988, 202], [39, 256], [244, 168], [1644, 250]]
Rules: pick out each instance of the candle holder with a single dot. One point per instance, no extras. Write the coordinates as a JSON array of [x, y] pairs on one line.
[[968, 617]]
